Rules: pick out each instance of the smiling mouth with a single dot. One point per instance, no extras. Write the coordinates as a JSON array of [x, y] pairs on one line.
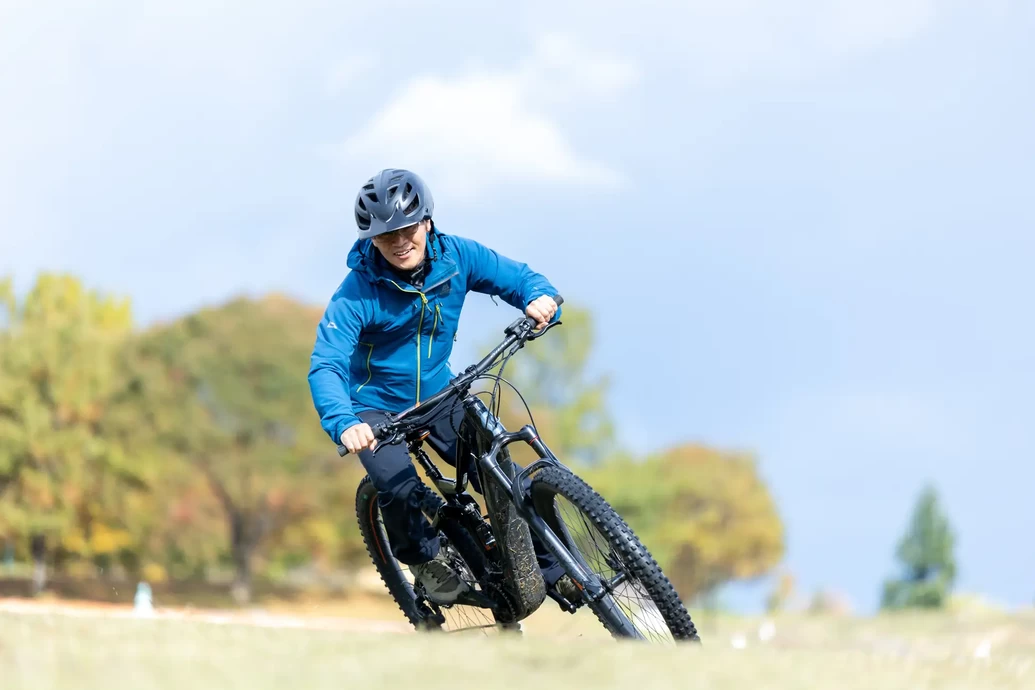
[[402, 254]]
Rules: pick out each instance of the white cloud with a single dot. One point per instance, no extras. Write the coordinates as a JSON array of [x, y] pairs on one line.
[[560, 62], [486, 126]]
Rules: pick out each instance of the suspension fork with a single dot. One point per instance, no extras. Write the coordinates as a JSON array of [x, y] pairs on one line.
[[520, 496]]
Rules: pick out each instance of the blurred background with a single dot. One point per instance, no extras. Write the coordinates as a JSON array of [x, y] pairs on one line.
[[795, 240]]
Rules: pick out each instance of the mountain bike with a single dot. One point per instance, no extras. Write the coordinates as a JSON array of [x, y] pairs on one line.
[[615, 575]]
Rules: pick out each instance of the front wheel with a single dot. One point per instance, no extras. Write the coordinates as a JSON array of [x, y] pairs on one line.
[[640, 601]]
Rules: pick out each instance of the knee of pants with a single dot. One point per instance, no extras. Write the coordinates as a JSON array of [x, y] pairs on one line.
[[402, 489]]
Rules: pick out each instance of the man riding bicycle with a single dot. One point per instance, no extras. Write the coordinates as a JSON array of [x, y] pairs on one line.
[[384, 343]]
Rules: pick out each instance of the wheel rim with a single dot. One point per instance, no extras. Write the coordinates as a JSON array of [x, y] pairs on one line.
[[594, 552]]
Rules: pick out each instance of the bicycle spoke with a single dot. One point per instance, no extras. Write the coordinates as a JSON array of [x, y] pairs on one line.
[[627, 591]]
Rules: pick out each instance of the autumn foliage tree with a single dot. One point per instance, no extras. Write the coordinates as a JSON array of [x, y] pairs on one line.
[[62, 480], [706, 515], [194, 446], [568, 405], [226, 390]]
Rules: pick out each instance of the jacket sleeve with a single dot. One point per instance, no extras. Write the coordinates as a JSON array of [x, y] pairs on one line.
[[336, 339], [491, 273]]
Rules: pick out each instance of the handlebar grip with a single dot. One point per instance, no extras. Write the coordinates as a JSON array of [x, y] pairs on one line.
[[379, 434]]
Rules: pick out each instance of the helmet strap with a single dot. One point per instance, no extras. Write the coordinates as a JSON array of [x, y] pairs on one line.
[[431, 243]]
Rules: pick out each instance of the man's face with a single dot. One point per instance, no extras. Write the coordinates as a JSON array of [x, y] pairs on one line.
[[404, 248]]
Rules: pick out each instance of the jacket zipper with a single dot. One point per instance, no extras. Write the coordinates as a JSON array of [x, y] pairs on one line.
[[438, 314], [420, 325]]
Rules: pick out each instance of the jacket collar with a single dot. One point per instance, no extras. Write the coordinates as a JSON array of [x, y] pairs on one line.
[[364, 259]]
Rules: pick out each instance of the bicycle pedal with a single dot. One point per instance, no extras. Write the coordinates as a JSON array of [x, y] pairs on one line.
[[566, 606]]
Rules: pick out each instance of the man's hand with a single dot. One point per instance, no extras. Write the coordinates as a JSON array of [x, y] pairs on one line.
[[358, 437], [542, 310]]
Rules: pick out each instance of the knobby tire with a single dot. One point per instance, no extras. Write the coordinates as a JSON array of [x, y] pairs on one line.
[[553, 481]]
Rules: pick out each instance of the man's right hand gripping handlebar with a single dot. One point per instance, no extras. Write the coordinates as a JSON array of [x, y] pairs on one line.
[[378, 431]]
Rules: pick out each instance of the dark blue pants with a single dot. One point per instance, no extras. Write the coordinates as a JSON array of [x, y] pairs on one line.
[[401, 494]]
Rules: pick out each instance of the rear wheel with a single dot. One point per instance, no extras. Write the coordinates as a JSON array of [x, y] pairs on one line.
[[466, 555], [640, 600]]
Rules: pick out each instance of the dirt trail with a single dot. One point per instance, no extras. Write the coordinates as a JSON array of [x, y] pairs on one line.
[[253, 617]]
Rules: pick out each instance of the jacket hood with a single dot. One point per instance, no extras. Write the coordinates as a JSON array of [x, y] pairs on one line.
[[365, 259], [361, 257]]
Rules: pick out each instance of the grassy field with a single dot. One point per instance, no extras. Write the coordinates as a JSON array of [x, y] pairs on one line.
[[50, 651]]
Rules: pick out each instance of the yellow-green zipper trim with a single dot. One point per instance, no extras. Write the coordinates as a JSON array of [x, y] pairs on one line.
[[431, 341], [420, 326], [370, 374]]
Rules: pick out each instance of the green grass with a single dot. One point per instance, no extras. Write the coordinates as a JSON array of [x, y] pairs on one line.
[[53, 652]]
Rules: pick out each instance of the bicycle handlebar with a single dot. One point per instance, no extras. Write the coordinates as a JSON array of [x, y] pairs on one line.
[[522, 330]]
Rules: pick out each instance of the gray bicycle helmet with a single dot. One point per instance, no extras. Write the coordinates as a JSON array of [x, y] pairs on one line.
[[392, 199]]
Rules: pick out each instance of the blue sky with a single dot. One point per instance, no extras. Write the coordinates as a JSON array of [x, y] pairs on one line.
[[805, 228]]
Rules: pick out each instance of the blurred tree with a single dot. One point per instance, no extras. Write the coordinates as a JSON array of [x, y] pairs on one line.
[[195, 443], [705, 515], [782, 593], [62, 481], [926, 555], [829, 602], [225, 389], [569, 407]]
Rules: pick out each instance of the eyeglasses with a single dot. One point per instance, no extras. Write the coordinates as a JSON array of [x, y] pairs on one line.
[[390, 237]]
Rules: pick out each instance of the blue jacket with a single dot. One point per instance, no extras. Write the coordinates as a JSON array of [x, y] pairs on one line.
[[382, 344]]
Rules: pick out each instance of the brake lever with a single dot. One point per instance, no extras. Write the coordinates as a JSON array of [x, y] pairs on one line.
[[540, 332], [394, 438], [343, 451]]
